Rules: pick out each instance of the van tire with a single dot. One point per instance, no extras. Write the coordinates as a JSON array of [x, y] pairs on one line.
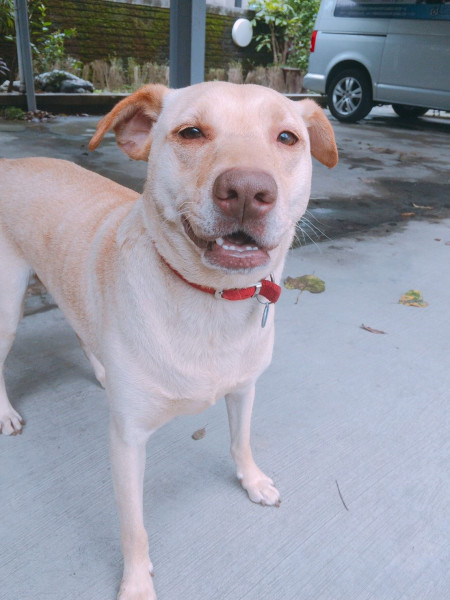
[[349, 95], [409, 112]]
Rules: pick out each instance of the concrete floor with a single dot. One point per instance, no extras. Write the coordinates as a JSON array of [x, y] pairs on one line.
[[353, 427]]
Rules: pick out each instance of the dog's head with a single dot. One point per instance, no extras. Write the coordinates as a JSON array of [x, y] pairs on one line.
[[229, 169]]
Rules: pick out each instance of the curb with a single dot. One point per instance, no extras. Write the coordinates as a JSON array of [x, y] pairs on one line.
[[71, 104]]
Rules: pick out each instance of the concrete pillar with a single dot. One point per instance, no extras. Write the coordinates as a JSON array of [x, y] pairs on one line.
[[187, 42], [24, 52]]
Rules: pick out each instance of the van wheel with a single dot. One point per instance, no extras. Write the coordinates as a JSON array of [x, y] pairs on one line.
[[350, 95], [409, 112]]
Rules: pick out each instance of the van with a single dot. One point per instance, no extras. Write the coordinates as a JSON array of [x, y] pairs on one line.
[[365, 53]]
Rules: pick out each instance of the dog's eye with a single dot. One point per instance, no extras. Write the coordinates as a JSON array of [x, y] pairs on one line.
[[191, 133], [287, 138]]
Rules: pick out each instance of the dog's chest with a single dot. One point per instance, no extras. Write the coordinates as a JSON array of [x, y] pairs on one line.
[[192, 358], [212, 363], [198, 382]]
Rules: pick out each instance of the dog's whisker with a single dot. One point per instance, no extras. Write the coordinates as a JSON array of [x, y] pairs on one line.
[[313, 217], [316, 231], [306, 235], [314, 227], [322, 224], [297, 241]]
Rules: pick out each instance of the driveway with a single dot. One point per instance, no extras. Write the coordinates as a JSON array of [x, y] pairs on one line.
[[390, 172], [352, 425]]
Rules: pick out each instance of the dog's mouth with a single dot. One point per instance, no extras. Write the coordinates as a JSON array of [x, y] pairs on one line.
[[236, 251]]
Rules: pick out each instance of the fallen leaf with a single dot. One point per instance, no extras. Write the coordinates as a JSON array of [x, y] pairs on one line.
[[437, 239], [305, 283], [406, 156], [367, 328], [382, 150], [422, 207], [199, 434], [408, 214], [447, 244], [413, 298]]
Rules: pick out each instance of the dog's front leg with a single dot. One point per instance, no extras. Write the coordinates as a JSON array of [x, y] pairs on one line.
[[128, 452], [260, 488]]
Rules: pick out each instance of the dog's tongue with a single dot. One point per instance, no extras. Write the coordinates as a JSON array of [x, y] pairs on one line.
[[236, 251]]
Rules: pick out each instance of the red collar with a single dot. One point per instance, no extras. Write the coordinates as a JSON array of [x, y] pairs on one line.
[[266, 288]]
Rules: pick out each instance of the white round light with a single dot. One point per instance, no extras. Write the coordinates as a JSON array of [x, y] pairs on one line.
[[242, 32]]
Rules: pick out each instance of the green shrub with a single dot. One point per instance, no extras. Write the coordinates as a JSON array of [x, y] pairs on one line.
[[286, 29], [12, 113]]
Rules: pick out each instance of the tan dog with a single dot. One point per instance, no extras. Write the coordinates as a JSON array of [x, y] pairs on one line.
[[139, 278]]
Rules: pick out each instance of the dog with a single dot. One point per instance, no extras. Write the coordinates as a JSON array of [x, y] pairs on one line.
[[169, 292]]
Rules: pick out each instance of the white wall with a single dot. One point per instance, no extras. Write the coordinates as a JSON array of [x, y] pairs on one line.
[[227, 3]]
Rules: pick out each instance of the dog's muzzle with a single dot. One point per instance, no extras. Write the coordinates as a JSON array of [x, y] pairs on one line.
[[243, 198]]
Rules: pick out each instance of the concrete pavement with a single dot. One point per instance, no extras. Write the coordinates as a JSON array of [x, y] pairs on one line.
[[353, 426]]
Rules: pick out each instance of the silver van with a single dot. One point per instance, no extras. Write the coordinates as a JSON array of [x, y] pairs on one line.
[[365, 53]]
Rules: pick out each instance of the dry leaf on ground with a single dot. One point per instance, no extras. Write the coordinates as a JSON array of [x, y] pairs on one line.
[[422, 207], [413, 298], [305, 283], [371, 330], [199, 434], [308, 283]]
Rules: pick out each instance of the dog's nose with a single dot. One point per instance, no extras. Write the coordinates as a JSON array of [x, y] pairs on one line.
[[245, 194]]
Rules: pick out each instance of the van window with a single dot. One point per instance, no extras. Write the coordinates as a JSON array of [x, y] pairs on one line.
[[394, 9], [371, 52]]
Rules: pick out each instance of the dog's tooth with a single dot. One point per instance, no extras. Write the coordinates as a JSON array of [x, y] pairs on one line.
[[248, 248], [255, 248], [220, 241]]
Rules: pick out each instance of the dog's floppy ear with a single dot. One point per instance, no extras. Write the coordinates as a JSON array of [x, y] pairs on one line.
[[321, 135], [132, 119]]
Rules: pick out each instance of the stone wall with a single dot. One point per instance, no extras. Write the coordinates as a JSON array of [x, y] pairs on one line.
[[108, 29], [137, 29]]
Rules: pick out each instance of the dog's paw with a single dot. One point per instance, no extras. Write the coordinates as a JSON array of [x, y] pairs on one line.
[[261, 489], [10, 422], [139, 588]]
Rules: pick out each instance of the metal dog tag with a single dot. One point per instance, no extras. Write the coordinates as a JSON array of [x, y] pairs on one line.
[[265, 314]]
